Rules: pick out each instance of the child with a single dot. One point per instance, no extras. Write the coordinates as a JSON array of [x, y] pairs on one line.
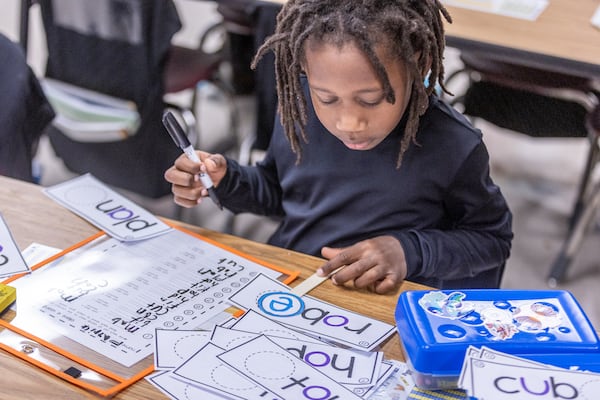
[[367, 166]]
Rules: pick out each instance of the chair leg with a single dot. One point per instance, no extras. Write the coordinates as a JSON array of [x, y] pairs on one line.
[[586, 206], [584, 184], [574, 238]]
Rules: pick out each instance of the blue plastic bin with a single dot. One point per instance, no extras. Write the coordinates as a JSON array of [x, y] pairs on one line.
[[436, 328]]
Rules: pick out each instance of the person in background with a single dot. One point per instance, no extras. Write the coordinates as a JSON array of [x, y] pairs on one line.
[[367, 166], [24, 112]]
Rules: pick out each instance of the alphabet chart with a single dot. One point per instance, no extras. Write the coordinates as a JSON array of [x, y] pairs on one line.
[[11, 260], [119, 217], [110, 296], [488, 375]]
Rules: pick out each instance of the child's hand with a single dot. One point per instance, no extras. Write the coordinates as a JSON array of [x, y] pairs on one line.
[[187, 189], [376, 263]]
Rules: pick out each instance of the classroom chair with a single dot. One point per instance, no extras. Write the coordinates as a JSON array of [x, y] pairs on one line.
[[539, 103], [124, 49]]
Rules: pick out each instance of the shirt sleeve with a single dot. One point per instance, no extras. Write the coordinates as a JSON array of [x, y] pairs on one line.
[[479, 236], [252, 189]]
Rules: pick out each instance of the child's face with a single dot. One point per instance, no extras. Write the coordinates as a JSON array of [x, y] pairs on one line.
[[348, 97]]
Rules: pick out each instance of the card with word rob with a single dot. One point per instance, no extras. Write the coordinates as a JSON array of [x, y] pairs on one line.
[[310, 315]]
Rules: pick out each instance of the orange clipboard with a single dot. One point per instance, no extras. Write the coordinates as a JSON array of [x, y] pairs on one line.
[[74, 362]]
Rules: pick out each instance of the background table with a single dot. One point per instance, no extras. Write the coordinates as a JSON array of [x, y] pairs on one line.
[[561, 39]]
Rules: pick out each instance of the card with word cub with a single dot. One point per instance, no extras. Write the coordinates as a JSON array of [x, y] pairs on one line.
[[488, 374]]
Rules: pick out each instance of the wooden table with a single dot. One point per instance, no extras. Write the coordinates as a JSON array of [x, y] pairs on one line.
[[33, 217], [561, 39]]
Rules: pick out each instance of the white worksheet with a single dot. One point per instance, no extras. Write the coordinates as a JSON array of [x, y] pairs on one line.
[[111, 296]]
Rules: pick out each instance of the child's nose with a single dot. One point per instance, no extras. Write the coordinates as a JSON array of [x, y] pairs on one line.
[[350, 122]]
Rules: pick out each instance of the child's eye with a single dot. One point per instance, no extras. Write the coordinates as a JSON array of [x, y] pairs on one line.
[[370, 102], [327, 101]]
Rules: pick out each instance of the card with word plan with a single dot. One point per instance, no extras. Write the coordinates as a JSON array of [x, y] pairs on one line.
[[116, 215]]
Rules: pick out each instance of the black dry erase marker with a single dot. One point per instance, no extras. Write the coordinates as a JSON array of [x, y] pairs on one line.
[[182, 141]]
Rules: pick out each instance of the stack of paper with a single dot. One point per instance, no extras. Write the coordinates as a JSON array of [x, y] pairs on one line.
[[283, 347], [89, 116]]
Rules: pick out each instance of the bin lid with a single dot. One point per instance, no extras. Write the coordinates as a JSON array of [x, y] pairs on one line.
[[436, 327]]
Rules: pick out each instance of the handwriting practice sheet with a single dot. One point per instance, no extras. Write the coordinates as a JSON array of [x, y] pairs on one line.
[[111, 296]]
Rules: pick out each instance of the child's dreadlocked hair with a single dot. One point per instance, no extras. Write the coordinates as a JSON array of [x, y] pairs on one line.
[[411, 30]]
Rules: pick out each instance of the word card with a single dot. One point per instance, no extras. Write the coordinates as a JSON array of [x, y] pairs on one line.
[[251, 321], [179, 390], [11, 260], [309, 315], [346, 366], [278, 371], [119, 217], [176, 346], [208, 371], [488, 375]]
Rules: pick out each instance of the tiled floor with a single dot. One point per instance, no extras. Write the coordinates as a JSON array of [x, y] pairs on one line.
[[537, 176]]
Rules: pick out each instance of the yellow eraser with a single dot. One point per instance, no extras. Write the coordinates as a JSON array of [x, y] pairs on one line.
[[8, 295]]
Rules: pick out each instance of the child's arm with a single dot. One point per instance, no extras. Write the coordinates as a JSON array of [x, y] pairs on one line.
[[467, 251]]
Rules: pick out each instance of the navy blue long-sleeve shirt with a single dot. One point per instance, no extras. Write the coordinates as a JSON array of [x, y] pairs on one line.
[[441, 204]]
